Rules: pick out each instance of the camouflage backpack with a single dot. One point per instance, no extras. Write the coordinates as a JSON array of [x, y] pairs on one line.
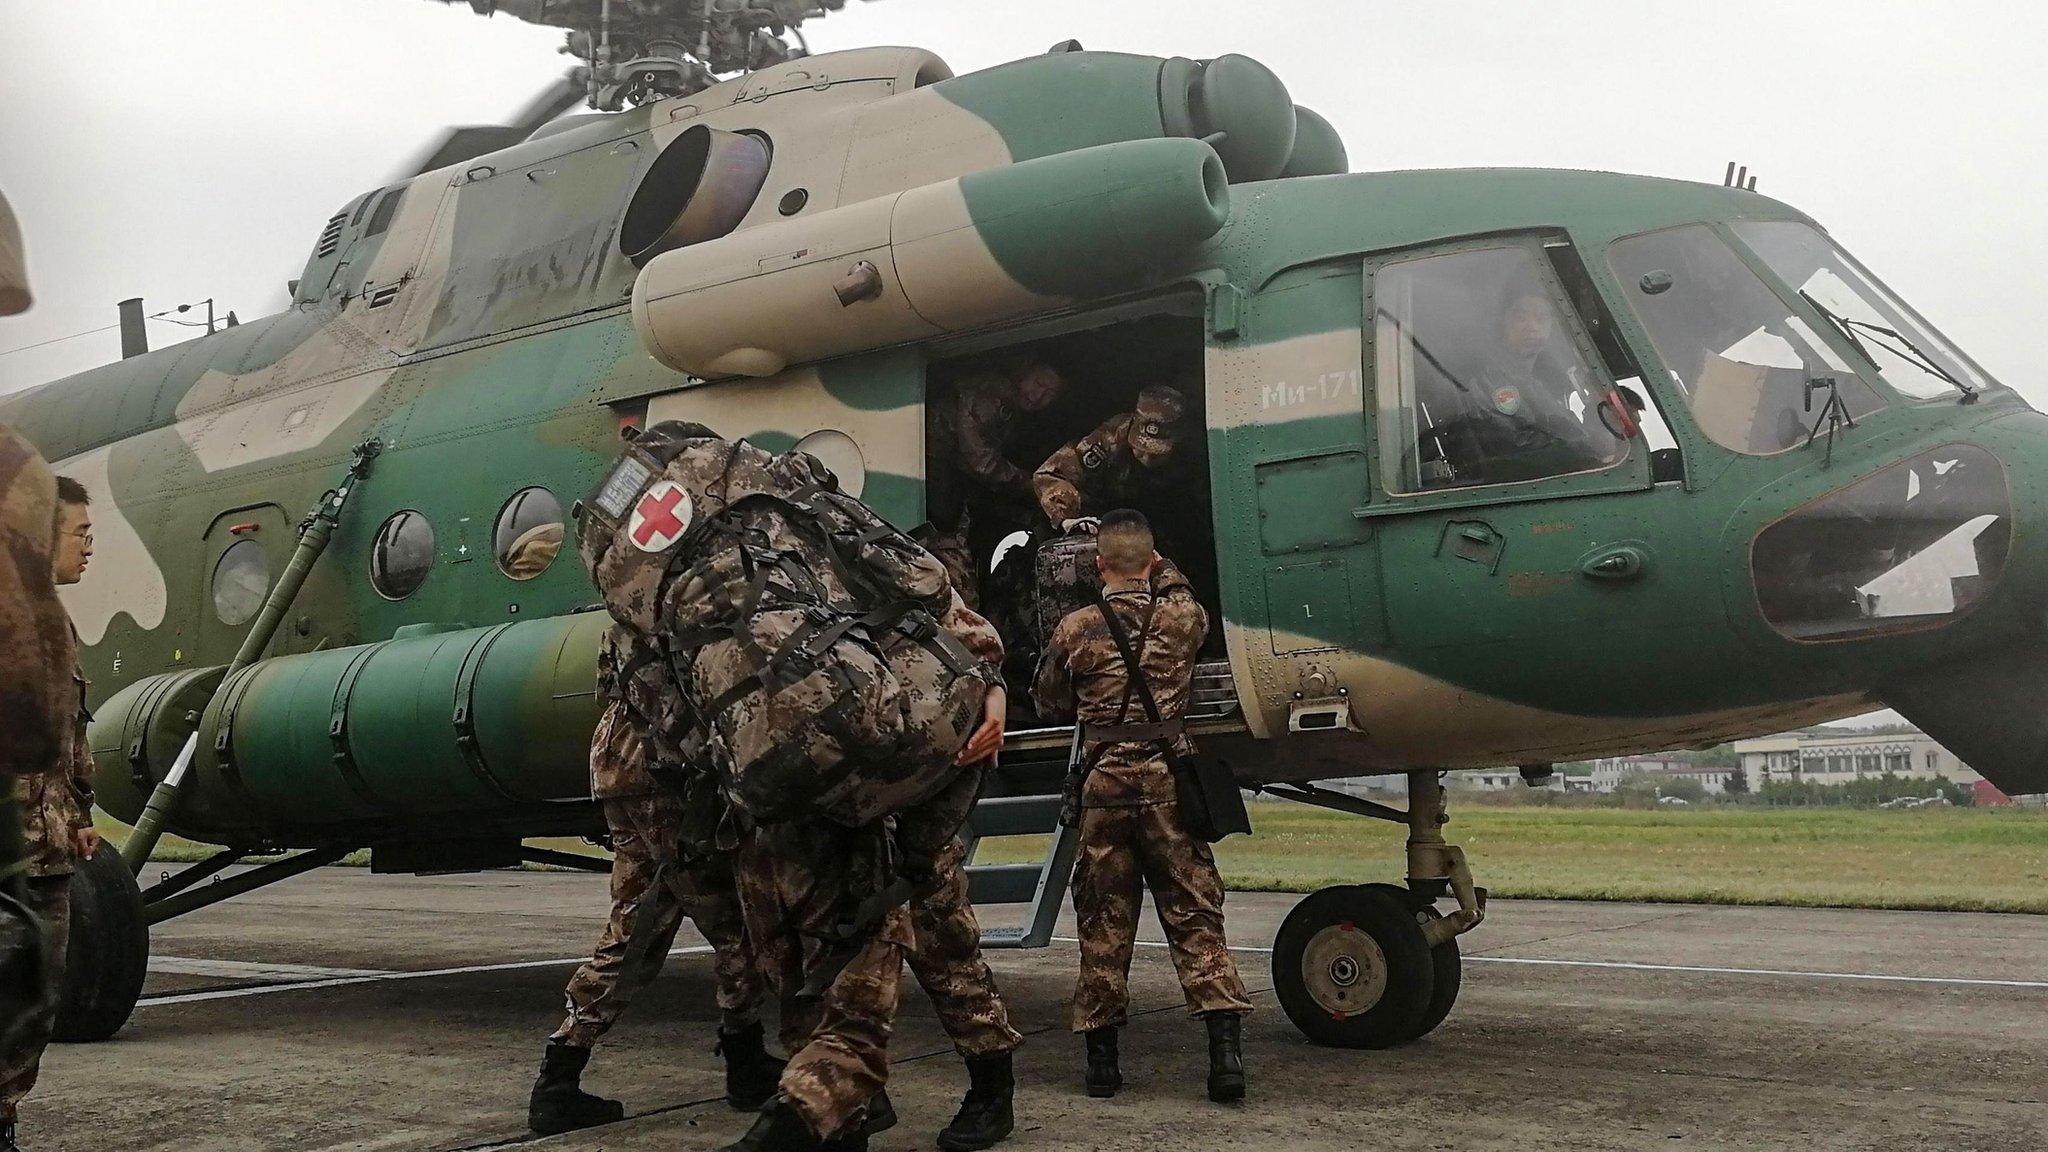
[[800, 629]]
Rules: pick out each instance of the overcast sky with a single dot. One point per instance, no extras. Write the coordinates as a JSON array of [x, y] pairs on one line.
[[183, 150]]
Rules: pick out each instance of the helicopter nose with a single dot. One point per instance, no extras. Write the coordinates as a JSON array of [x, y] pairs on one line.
[[1969, 568]]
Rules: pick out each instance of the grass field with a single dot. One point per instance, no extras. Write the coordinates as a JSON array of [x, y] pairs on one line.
[[1962, 859], [1952, 859]]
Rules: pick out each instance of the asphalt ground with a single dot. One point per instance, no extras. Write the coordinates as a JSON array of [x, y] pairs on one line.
[[344, 1010]]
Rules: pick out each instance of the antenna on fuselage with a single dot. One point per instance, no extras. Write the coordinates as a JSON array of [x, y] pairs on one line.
[[1738, 178]]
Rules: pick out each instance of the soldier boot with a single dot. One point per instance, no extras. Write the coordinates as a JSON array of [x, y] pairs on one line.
[[986, 1114], [782, 1129], [779, 1129], [559, 1103], [1226, 1056], [750, 1072], [1104, 1078]]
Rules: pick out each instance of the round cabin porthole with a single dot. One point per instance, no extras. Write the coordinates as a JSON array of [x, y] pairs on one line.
[[529, 534], [241, 579], [402, 555]]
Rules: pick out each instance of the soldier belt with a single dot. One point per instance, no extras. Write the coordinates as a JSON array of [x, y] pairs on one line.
[[1131, 733]]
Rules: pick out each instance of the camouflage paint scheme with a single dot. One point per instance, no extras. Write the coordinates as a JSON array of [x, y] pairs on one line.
[[479, 326]]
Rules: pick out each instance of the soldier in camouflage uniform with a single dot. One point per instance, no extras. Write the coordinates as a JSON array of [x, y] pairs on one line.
[[1129, 458], [969, 428], [1130, 831], [647, 822], [831, 839], [946, 958], [55, 801], [798, 880]]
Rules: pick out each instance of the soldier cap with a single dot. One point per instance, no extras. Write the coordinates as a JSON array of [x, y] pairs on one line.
[[1154, 423]]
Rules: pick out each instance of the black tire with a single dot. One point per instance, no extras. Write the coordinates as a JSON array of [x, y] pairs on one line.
[[107, 955], [1351, 968], [1450, 970]]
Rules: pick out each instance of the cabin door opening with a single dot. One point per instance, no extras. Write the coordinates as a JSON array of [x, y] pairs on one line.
[[1101, 368]]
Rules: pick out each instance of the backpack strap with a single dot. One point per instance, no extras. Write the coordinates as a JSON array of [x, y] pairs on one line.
[[1134, 676]]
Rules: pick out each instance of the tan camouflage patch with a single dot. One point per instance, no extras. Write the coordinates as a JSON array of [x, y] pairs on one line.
[[125, 575]]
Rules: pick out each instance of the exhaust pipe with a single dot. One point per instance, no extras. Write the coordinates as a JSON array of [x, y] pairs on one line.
[[134, 339]]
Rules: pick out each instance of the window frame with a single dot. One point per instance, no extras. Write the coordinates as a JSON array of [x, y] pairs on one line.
[[1648, 353], [433, 545], [561, 519], [244, 545], [1833, 335], [1629, 474]]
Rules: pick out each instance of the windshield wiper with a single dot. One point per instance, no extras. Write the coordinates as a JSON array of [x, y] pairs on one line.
[[1911, 353]]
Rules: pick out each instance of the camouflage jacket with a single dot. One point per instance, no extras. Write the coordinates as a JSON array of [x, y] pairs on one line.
[[56, 804], [1098, 472], [1082, 676], [38, 654], [618, 753], [14, 295], [970, 427]]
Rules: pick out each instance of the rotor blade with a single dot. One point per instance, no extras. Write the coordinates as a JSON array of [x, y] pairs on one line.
[[468, 141]]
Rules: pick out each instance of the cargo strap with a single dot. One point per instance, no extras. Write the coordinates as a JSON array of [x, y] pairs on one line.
[[851, 936]]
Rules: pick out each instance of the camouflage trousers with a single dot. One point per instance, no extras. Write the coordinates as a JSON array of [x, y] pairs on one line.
[[50, 897], [1122, 852], [946, 959], [643, 829], [795, 883]]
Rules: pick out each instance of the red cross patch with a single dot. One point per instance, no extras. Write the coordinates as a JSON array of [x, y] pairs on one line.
[[662, 515]]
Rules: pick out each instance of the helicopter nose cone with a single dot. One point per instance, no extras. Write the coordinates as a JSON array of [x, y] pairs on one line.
[[1967, 563]]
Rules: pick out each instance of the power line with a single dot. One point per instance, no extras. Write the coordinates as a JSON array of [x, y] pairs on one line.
[[60, 339]]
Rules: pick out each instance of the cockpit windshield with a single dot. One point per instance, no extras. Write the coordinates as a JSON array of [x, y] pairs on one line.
[[1757, 376], [1911, 355]]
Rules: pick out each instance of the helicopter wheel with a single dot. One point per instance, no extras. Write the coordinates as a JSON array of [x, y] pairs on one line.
[[107, 953], [1447, 963], [1352, 969]]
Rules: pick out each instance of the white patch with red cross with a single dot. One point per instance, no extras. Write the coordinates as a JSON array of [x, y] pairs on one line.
[[660, 517]]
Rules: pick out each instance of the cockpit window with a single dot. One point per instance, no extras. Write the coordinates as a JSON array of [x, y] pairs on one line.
[[1757, 377], [1911, 355], [1481, 376]]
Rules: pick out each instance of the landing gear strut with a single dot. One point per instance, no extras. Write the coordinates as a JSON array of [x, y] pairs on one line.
[[1375, 965]]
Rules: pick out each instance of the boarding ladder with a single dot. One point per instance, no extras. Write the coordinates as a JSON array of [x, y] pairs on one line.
[[1022, 798]]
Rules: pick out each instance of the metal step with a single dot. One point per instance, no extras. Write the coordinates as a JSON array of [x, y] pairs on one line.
[[1032, 760], [1042, 887], [1214, 692]]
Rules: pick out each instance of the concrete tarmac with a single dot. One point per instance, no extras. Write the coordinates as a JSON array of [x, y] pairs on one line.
[[342, 1010]]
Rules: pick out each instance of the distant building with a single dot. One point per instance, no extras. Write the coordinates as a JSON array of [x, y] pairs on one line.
[[1839, 755], [1610, 772]]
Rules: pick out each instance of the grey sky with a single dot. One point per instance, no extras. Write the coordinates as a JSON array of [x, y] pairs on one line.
[[181, 150]]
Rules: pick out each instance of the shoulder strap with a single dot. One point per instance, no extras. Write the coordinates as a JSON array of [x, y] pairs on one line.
[[1134, 670]]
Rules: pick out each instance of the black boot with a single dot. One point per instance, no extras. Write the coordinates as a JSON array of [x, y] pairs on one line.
[[985, 1115], [558, 1103], [1226, 1056], [1105, 1079], [779, 1129], [751, 1074], [880, 1117], [7, 1143]]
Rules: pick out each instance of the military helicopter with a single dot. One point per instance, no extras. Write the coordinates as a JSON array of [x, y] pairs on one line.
[[1503, 467]]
